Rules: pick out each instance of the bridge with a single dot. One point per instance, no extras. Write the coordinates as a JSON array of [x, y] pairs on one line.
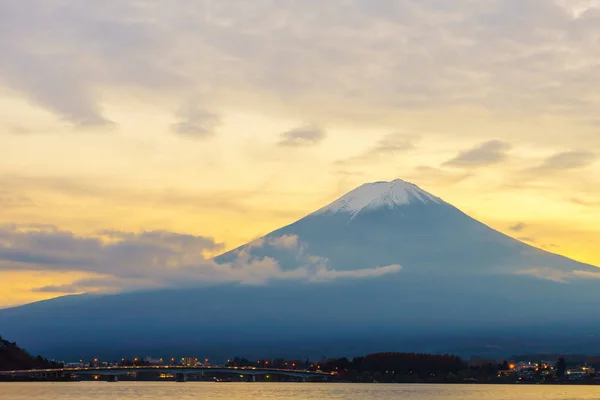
[[180, 373]]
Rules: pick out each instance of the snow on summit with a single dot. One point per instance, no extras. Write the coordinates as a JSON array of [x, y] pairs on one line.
[[380, 194]]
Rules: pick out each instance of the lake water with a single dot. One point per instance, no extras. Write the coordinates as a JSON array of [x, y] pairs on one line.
[[286, 391]]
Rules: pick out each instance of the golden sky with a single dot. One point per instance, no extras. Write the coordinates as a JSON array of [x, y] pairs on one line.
[[219, 121]]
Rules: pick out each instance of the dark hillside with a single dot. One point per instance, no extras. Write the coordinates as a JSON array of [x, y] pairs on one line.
[[12, 357]]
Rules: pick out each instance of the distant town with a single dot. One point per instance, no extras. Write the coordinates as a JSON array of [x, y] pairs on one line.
[[392, 367], [383, 368]]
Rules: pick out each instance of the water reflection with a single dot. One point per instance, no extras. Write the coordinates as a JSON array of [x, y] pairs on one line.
[[286, 391]]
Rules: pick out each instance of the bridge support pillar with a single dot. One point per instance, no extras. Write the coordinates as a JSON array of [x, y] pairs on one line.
[[181, 377], [113, 378]]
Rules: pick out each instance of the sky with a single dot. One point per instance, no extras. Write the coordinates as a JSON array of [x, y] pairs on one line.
[[138, 138]]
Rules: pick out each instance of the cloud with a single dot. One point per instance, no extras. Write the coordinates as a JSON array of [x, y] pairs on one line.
[[527, 239], [103, 285], [518, 227], [585, 202], [309, 58], [52, 85], [364, 60], [438, 176], [587, 274], [196, 122], [566, 161], [240, 201], [549, 246], [391, 145], [386, 148], [303, 136], [547, 274], [558, 275], [123, 254], [120, 261], [11, 200], [59, 61], [487, 153], [285, 241], [18, 129], [323, 274]]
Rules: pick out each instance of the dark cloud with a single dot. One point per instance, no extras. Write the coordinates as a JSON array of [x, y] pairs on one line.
[[59, 61], [518, 227], [487, 153], [505, 56], [309, 135], [123, 254], [55, 88], [196, 122], [565, 161], [120, 261]]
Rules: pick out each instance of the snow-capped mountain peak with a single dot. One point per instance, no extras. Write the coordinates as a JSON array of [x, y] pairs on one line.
[[380, 194]]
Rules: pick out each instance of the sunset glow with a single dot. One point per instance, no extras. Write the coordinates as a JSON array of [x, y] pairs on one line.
[[227, 120]]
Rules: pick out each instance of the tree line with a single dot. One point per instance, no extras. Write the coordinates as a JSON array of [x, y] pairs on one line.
[[392, 367], [12, 357]]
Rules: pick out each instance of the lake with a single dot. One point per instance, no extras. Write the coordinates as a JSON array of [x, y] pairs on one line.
[[286, 391]]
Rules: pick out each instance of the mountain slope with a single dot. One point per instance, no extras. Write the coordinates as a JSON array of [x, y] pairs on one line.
[[388, 267], [396, 222]]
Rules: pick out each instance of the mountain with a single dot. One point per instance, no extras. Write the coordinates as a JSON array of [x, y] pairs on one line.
[[387, 223], [386, 267]]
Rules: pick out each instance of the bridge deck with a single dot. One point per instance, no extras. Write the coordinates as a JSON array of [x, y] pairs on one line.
[[108, 371]]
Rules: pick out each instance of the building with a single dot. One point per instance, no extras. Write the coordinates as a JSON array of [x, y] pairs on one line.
[[189, 361], [74, 365]]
